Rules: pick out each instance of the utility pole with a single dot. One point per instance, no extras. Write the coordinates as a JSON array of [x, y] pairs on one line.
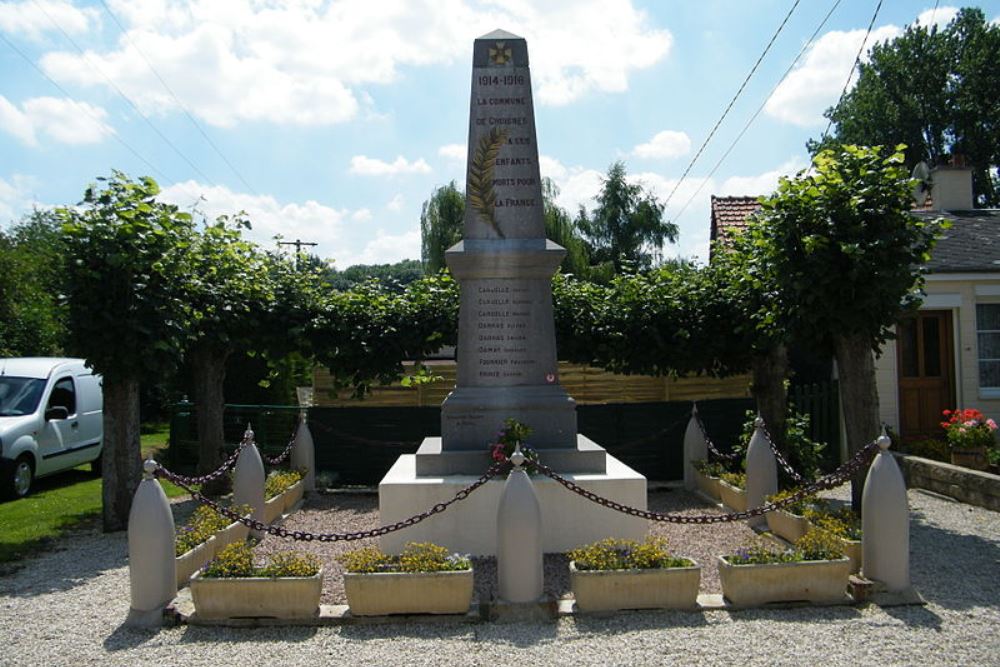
[[298, 243]]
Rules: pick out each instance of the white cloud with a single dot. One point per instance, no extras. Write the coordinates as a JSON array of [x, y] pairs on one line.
[[396, 203], [665, 144], [815, 84], [760, 184], [16, 197], [33, 18], [309, 62], [309, 221], [457, 152], [940, 17], [384, 249], [361, 215], [361, 164], [62, 119]]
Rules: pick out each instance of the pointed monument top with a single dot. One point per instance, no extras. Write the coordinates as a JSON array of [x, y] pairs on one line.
[[499, 34]]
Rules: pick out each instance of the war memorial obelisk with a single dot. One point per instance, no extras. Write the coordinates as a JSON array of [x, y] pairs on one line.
[[506, 356]]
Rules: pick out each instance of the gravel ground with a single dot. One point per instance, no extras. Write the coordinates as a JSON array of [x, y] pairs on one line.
[[66, 608], [351, 513]]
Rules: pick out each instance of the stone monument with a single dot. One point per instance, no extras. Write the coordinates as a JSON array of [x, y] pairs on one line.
[[506, 355]]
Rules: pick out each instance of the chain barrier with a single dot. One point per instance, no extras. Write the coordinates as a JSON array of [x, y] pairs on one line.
[[782, 461], [277, 460], [836, 478], [181, 480], [732, 456], [304, 536]]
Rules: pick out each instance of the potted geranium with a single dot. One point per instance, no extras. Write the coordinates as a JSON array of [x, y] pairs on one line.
[[282, 489], [815, 570], [233, 586], [970, 434], [423, 579], [789, 522], [625, 574], [732, 489], [707, 475]]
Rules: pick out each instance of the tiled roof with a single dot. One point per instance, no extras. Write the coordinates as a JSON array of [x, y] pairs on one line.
[[729, 215], [972, 244]]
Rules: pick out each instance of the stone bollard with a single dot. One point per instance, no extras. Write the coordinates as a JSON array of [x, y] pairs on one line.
[[885, 522], [695, 448], [519, 537], [762, 471], [151, 568], [248, 480], [304, 454]]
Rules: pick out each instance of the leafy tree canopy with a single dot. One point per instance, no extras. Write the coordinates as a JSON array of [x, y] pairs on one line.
[[394, 276], [938, 92], [440, 225]]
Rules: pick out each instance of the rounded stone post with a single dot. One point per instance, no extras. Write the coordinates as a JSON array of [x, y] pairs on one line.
[[248, 480], [762, 471], [304, 454], [151, 568], [885, 522], [695, 448], [519, 537]]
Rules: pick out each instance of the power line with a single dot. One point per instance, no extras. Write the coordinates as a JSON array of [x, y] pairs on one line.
[[731, 103], [760, 108], [86, 109], [123, 95], [850, 74], [187, 113]]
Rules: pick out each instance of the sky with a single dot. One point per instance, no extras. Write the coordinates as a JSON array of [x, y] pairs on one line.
[[333, 121]]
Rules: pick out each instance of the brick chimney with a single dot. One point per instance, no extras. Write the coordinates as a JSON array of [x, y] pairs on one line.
[[951, 186]]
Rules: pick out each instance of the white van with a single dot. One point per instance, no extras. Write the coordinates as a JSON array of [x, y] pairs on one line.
[[51, 419]]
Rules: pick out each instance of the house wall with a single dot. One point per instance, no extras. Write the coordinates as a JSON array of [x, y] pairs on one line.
[[959, 293]]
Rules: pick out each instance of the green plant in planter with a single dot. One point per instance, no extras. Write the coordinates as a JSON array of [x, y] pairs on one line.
[[758, 555], [737, 479], [415, 557], [236, 560], [799, 507], [841, 522], [618, 554], [709, 468], [802, 453], [203, 524], [280, 481], [819, 544]]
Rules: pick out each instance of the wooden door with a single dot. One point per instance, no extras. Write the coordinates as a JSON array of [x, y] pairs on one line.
[[925, 362]]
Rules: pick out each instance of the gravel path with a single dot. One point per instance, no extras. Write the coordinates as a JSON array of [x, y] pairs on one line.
[[66, 608]]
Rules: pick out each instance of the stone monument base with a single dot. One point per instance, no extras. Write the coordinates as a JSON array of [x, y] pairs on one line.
[[432, 461], [470, 526]]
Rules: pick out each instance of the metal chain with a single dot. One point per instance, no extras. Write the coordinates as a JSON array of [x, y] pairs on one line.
[[304, 536], [836, 478], [782, 461], [277, 460], [181, 480], [732, 456]]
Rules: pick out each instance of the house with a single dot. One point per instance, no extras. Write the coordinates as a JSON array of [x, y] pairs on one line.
[[947, 354]]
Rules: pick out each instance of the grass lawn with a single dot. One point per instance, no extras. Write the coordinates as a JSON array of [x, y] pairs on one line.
[[57, 504]]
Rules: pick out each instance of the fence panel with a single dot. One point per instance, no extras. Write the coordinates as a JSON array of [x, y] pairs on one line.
[[820, 401]]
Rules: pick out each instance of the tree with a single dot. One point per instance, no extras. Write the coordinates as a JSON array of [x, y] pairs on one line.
[[938, 92], [395, 276], [560, 229], [844, 256], [627, 224], [440, 225], [127, 256]]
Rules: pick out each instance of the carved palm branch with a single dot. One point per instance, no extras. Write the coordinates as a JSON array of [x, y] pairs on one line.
[[482, 197]]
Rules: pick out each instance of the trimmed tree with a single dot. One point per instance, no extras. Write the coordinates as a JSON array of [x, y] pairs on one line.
[[845, 257], [126, 260]]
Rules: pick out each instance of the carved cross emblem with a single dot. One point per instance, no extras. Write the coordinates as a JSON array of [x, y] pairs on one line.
[[500, 54]]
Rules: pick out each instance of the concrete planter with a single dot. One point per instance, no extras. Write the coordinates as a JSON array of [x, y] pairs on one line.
[[257, 597], [733, 497], [606, 590], [234, 532], [852, 549], [191, 561], [787, 525], [974, 458], [708, 485], [810, 580], [385, 593], [274, 508], [294, 494]]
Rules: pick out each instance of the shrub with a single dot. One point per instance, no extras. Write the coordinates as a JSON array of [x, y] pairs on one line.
[[618, 554], [737, 479], [799, 507], [841, 522], [819, 544], [416, 557], [236, 560], [280, 481], [709, 468], [203, 524], [801, 452], [932, 448]]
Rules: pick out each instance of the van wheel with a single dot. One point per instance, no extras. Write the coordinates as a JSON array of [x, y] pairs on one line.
[[20, 477]]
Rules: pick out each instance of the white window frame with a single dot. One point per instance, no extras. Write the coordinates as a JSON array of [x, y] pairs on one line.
[[985, 392]]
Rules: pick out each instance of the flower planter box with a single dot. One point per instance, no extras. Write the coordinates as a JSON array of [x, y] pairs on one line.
[[733, 497], [708, 485], [810, 580], [274, 508], [605, 590], [852, 549], [385, 593], [974, 459], [234, 532], [257, 597], [191, 561], [787, 525], [294, 494]]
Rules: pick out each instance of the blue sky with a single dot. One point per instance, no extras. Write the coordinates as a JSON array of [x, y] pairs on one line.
[[340, 118]]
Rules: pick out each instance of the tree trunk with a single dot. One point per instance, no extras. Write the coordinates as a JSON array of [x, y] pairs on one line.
[[121, 458], [209, 368], [770, 370], [859, 397]]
